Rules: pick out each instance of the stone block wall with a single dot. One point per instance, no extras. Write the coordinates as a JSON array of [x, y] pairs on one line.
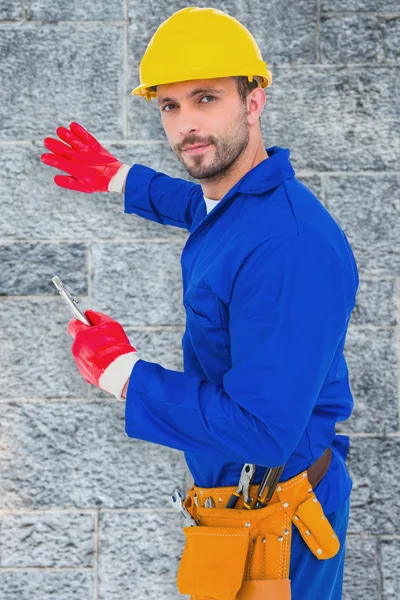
[[85, 511]]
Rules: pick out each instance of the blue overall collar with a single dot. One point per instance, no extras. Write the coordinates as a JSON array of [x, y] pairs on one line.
[[265, 176], [268, 174]]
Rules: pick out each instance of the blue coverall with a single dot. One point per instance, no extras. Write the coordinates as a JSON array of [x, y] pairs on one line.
[[269, 284]]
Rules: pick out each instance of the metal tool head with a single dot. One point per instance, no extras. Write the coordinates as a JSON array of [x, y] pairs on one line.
[[268, 485], [177, 503], [246, 476], [70, 301], [176, 500]]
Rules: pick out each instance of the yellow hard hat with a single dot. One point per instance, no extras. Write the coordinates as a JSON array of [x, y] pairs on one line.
[[200, 43]]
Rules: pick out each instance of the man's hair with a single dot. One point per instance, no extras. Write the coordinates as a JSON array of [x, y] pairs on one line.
[[244, 86]]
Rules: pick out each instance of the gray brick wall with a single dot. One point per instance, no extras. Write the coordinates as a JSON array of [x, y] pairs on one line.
[[84, 510]]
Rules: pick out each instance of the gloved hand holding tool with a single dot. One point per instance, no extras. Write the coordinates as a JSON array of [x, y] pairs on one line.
[[91, 167], [102, 352], [101, 349]]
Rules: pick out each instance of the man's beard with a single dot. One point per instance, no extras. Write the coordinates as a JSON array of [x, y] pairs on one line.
[[226, 153]]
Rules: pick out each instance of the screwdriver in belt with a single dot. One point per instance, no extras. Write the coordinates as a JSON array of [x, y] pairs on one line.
[[268, 485], [245, 480]]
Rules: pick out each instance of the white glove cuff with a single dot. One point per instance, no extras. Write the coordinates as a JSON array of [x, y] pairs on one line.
[[117, 374], [116, 183]]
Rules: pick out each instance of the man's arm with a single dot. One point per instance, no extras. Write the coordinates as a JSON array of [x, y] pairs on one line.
[[288, 311], [161, 198], [92, 168]]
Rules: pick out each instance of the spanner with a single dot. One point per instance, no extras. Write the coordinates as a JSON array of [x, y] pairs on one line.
[[176, 500]]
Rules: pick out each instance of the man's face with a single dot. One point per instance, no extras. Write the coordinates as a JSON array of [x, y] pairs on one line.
[[218, 118]]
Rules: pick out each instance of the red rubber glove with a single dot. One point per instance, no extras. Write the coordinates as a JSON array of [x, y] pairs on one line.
[[102, 352], [92, 167]]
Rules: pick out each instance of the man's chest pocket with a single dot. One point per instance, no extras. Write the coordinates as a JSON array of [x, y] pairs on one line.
[[208, 324]]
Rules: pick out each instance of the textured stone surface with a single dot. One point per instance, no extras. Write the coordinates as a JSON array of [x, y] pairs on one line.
[[139, 550], [368, 209], [55, 72], [162, 346], [10, 9], [390, 560], [35, 207], [46, 585], [139, 282], [144, 118], [77, 454], [358, 39], [361, 573], [29, 268], [361, 5], [373, 380], [375, 498], [36, 350], [335, 118], [375, 302], [56, 539], [48, 10]]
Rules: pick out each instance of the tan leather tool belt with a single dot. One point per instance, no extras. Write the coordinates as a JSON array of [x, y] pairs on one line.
[[240, 554]]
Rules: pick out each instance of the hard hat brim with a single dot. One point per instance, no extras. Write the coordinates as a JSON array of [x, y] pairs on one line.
[[144, 88]]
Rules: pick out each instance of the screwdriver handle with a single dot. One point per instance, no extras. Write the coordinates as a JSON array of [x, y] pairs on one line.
[[232, 500]]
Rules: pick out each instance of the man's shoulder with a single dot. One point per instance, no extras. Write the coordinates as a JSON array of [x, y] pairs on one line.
[[291, 209]]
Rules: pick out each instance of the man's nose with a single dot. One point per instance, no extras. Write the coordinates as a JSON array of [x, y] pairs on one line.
[[188, 122]]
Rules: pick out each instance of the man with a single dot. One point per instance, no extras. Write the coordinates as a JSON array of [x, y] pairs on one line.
[[269, 283]]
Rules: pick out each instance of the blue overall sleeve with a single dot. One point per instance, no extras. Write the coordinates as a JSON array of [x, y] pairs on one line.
[[289, 307], [161, 198]]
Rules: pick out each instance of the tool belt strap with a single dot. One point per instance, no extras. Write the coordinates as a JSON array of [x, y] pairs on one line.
[[318, 469]]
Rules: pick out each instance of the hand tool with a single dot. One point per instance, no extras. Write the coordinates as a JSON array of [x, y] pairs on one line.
[[268, 485], [209, 503], [70, 301], [245, 480], [176, 499]]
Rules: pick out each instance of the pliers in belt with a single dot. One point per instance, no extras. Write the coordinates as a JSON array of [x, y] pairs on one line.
[[245, 480]]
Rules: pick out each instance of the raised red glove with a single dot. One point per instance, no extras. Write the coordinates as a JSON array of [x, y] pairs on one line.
[[92, 167], [102, 352]]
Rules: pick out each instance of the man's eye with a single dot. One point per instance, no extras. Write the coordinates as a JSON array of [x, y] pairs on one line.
[[163, 109], [208, 97]]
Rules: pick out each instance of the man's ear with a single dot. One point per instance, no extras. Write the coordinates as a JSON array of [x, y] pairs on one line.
[[255, 104]]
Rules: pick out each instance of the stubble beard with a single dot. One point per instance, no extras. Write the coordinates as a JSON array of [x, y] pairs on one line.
[[226, 153]]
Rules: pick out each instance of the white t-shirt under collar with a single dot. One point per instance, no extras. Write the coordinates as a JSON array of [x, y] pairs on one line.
[[210, 204]]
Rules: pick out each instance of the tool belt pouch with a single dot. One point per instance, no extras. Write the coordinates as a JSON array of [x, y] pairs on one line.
[[315, 529], [213, 562], [245, 554]]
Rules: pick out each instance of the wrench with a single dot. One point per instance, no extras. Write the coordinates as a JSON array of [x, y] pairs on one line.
[[176, 500], [209, 503]]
